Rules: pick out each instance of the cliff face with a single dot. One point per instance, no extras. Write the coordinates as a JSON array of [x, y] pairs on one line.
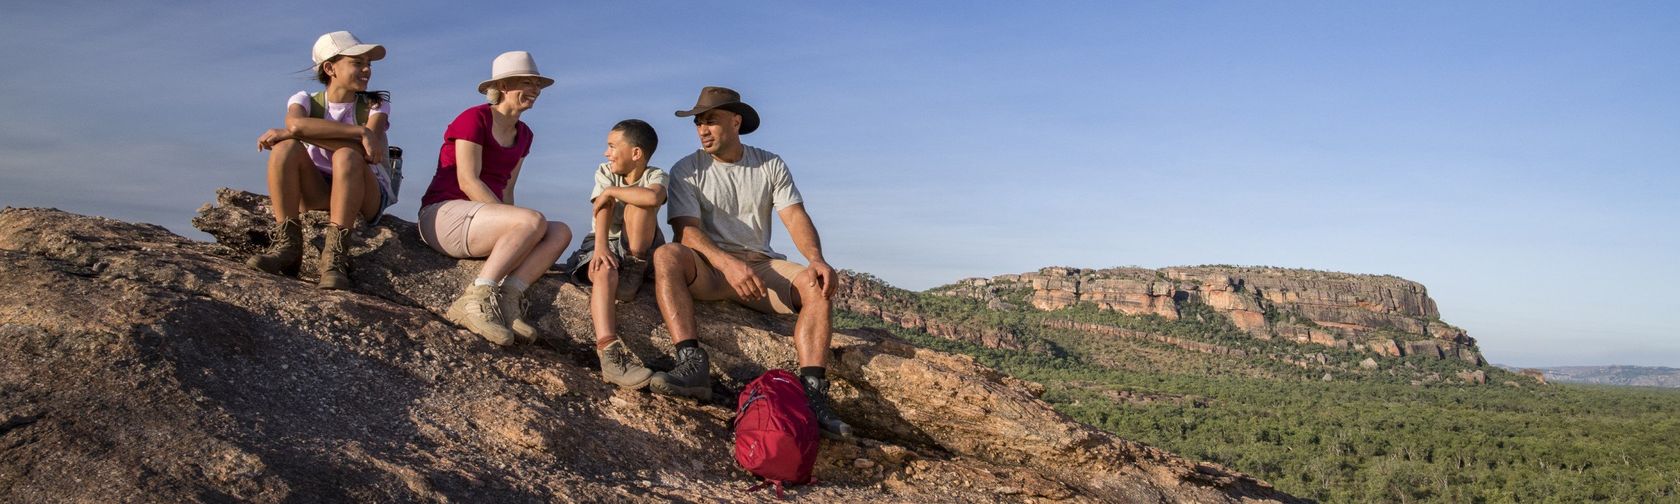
[[1384, 315], [134, 362]]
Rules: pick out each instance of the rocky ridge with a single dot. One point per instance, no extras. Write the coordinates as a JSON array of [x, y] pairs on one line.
[[136, 363], [1383, 315]]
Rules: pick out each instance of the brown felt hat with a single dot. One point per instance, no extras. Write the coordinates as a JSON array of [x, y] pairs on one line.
[[713, 97]]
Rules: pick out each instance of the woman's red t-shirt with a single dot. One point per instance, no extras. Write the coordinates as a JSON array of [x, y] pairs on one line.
[[473, 125]]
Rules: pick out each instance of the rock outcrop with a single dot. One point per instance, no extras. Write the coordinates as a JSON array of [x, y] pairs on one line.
[[138, 364], [1384, 315]]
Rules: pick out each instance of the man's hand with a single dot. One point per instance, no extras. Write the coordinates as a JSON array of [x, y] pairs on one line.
[[742, 278], [373, 146], [824, 276], [273, 136], [602, 261]]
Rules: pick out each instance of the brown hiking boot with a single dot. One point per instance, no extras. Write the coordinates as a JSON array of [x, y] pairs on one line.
[[631, 271], [691, 378], [479, 312], [285, 250], [514, 306], [619, 367], [335, 259]]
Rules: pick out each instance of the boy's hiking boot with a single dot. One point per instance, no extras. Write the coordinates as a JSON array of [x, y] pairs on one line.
[[816, 392], [619, 367], [335, 259], [691, 378], [479, 312], [631, 271], [514, 306], [285, 250]]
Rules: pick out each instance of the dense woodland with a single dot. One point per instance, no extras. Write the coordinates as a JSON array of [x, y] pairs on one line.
[[1330, 429]]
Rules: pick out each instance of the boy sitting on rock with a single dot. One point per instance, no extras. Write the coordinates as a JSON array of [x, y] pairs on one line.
[[626, 200]]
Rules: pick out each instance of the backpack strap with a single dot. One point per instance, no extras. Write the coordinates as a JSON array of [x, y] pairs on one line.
[[319, 111]]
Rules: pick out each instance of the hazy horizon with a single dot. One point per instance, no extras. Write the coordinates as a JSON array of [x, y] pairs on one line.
[[1517, 159]]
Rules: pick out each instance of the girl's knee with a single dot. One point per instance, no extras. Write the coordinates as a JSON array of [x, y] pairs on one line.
[[349, 160]]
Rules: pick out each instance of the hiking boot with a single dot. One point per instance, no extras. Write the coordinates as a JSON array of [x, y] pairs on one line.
[[816, 392], [631, 271], [285, 250], [479, 312], [691, 378], [619, 367], [335, 259], [514, 306]]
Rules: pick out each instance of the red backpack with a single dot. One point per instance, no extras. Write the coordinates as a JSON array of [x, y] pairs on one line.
[[775, 432]]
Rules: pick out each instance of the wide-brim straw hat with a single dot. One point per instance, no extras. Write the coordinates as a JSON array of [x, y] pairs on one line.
[[713, 97], [514, 64], [342, 43]]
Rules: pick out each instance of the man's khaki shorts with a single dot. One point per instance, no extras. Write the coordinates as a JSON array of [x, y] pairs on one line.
[[776, 274]]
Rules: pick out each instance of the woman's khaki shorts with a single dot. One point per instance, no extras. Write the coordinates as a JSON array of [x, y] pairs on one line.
[[444, 226]]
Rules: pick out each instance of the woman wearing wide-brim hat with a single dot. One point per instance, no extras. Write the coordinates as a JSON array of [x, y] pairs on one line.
[[469, 210], [325, 158]]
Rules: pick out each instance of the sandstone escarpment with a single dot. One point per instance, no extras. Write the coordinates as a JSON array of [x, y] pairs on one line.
[[1385, 315], [136, 364]]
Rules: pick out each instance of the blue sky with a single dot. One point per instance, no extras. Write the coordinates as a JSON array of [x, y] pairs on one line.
[[1518, 158]]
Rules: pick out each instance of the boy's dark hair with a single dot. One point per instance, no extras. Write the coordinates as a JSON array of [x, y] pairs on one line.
[[638, 134]]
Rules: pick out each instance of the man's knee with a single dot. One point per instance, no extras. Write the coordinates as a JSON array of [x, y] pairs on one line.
[[810, 292], [669, 260]]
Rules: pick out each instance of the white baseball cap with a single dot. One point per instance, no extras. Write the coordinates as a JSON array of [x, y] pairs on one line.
[[514, 64], [343, 43]]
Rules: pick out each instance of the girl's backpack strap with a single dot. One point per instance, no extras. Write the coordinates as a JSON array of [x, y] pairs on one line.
[[319, 110]]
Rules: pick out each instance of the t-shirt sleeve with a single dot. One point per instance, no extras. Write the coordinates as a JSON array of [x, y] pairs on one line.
[[300, 99], [468, 126], [603, 180], [682, 196], [783, 193], [655, 176]]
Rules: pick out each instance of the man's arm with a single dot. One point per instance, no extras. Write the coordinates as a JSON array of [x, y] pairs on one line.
[[804, 234], [735, 271]]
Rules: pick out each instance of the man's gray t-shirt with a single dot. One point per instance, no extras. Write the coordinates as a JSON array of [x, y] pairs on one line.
[[733, 200], [605, 178]]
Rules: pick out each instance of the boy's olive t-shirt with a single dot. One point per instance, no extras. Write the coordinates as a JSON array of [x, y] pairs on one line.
[[605, 178], [733, 200]]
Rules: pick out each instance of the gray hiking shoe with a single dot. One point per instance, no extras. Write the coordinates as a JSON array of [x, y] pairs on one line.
[[479, 312], [816, 393], [285, 250], [514, 305], [691, 378], [335, 259], [631, 272], [619, 367]]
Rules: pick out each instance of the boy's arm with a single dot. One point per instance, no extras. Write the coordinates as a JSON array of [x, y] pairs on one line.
[[645, 197], [804, 235]]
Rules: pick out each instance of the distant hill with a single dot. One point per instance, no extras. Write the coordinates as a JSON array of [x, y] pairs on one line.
[[1637, 376]]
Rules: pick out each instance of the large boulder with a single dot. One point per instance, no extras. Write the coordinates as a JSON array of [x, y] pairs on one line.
[[136, 363]]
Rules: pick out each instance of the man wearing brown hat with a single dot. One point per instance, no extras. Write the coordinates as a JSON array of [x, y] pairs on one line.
[[720, 200]]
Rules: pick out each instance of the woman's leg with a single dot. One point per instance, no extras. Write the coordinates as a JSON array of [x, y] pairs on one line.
[[504, 235], [545, 253]]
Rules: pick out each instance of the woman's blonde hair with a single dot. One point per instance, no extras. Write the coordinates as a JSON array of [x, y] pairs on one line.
[[493, 94]]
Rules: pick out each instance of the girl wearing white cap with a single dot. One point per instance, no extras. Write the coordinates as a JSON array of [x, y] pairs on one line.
[[469, 210], [321, 159]]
